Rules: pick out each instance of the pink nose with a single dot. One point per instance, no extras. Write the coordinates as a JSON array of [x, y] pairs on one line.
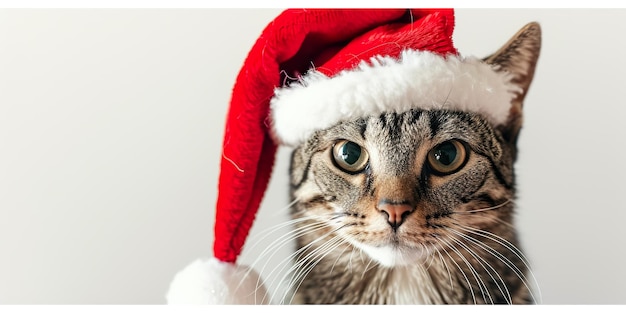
[[396, 212]]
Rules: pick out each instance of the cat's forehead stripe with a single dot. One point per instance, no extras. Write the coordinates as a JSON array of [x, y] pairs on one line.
[[416, 80]]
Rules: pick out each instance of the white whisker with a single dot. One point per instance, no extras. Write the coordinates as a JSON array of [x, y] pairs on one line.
[[296, 233], [314, 257], [367, 267], [295, 254], [271, 250], [511, 247], [505, 293], [469, 285], [507, 201], [479, 281], [445, 264]]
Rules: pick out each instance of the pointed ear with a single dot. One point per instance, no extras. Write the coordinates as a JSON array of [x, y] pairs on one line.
[[519, 58]]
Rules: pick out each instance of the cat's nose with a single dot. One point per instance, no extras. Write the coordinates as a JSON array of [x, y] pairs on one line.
[[396, 211]]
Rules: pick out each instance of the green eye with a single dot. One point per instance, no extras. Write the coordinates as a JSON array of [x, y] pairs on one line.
[[447, 157], [349, 156]]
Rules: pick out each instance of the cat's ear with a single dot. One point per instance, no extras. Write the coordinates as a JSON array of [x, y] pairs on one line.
[[519, 58]]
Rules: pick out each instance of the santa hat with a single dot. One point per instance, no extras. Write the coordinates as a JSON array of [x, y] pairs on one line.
[[310, 69]]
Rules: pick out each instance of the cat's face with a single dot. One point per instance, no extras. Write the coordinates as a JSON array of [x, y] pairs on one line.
[[403, 187], [397, 186]]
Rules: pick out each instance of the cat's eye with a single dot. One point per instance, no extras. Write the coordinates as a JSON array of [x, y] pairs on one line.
[[448, 157], [349, 156]]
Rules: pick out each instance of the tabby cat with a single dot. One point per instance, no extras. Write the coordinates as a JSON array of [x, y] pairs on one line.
[[414, 207]]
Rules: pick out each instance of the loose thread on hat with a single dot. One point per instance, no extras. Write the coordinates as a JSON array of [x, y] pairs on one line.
[[288, 79], [232, 162]]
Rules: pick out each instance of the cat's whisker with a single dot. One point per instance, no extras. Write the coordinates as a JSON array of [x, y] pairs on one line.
[[361, 255], [445, 264], [435, 294], [285, 208], [429, 257], [294, 234], [367, 267], [493, 218], [278, 243], [499, 257], [469, 285], [267, 251], [314, 257], [339, 257], [513, 249], [495, 207], [479, 281], [261, 238], [278, 267], [350, 264], [501, 241], [518, 272], [294, 272], [505, 293], [283, 240], [469, 267], [298, 265], [303, 231], [358, 252]]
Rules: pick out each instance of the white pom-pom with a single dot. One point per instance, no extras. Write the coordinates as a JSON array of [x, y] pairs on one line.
[[214, 282]]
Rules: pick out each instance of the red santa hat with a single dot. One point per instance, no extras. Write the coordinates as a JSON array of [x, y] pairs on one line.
[[310, 69]]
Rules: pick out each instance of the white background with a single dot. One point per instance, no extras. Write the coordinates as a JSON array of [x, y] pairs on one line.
[[111, 124]]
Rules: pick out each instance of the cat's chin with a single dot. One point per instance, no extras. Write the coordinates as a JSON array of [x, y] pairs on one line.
[[393, 255]]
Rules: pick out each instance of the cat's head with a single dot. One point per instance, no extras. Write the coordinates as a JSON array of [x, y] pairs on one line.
[[399, 185]]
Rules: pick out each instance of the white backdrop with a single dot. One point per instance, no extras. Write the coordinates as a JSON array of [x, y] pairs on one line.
[[111, 123]]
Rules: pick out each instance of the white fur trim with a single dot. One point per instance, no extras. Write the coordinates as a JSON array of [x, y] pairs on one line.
[[214, 282], [417, 79]]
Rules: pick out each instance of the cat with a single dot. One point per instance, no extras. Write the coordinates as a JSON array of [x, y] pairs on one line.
[[414, 207]]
